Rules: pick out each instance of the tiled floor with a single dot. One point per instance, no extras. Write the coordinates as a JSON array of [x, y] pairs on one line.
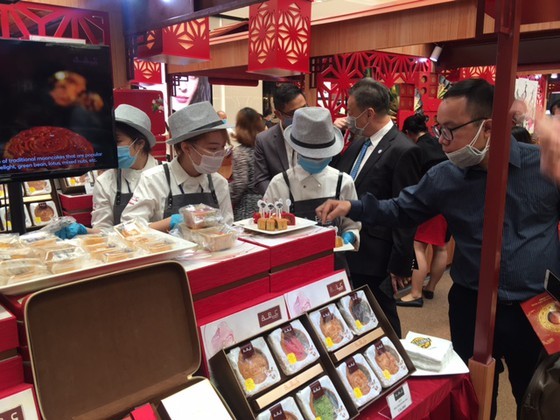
[[432, 319]]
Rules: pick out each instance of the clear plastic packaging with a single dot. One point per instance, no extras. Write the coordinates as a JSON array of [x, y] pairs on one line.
[[293, 347], [153, 244], [200, 216], [18, 253], [38, 239], [37, 187], [254, 366], [216, 238], [359, 380], [130, 229], [64, 259], [42, 213], [386, 362], [321, 400], [9, 241], [285, 409], [118, 255], [330, 326], [93, 240], [13, 271], [357, 312], [57, 223]]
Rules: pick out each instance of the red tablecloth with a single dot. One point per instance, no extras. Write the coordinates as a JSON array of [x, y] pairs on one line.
[[437, 398]]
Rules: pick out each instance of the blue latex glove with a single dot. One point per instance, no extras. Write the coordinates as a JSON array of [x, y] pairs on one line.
[[71, 231], [175, 220], [349, 238]]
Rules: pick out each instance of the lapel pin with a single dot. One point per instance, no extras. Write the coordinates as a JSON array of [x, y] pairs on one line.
[[379, 151]]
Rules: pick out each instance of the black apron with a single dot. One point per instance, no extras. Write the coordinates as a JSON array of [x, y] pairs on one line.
[[175, 202], [306, 209], [121, 199]]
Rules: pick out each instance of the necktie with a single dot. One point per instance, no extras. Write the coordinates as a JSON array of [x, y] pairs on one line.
[[356, 168]]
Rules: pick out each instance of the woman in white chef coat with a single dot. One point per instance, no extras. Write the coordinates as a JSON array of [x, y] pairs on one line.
[[199, 137], [113, 188], [311, 182]]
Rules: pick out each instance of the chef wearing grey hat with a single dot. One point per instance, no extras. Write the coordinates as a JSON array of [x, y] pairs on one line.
[[311, 182], [199, 138], [113, 188]]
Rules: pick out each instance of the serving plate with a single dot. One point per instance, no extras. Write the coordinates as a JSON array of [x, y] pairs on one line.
[[249, 224]]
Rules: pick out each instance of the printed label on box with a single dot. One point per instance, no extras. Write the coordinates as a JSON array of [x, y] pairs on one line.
[[399, 400], [20, 403], [336, 288], [269, 316]]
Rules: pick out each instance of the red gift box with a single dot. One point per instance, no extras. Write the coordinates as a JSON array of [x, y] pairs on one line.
[[295, 246], [216, 272], [15, 304], [301, 274], [144, 412], [11, 372], [8, 330], [81, 217], [22, 335], [76, 202], [18, 402]]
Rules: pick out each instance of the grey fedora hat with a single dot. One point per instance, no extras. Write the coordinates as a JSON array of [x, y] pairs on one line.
[[312, 133], [137, 119], [193, 120]]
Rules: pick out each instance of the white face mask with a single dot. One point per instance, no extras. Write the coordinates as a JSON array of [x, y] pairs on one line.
[[208, 164], [354, 129], [469, 155]]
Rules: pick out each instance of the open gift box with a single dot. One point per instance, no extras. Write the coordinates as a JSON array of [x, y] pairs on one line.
[[102, 346]]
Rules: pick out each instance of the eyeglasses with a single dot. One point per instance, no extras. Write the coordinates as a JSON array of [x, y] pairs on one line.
[[292, 112], [226, 151], [447, 133]]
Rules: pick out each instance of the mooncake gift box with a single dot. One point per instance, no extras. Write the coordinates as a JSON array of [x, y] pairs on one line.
[[386, 362], [43, 212], [357, 312], [293, 347], [286, 409], [133, 341], [359, 380], [321, 400], [38, 187], [330, 327]]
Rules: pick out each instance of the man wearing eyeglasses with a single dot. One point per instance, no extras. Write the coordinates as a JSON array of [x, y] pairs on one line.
[[456, 189], [273, 155]]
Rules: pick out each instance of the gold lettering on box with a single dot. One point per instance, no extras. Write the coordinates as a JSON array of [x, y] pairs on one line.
[[288, 386], [269, 316], [336, 288], [361, 342]]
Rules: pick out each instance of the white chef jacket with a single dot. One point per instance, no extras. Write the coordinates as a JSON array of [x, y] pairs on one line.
[[150, 196], [105, 190], [305, 186]]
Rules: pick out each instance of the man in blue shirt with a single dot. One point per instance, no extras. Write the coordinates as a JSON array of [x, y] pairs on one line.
[[456, 189]]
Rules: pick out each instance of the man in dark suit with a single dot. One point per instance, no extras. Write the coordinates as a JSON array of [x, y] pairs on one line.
[[272, 154], [382, 161]]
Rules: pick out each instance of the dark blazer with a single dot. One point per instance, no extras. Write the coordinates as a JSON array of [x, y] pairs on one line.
[[270, 157], [393, 165], [432, 153]]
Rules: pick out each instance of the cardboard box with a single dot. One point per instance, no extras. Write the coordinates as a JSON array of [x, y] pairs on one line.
[[18, 403], [304, 272], [102, 346], [8, 330], [11, 372], [294, 246], [245, 407], [220, 271], [317, 293]]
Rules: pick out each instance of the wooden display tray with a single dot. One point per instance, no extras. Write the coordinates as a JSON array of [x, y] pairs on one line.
[[104, 345]]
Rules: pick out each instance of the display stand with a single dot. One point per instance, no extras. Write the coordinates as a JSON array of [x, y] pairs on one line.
[[15, 192]]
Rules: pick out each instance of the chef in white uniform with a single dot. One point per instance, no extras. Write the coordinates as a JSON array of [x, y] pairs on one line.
[[312, 181], [199, 138], [114, 188]]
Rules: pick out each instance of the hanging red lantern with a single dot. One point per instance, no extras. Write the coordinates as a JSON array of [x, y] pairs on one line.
[[183, 43], [279, 37], [147, 72]]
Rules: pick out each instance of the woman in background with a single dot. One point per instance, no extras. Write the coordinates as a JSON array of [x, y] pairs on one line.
[[242, 190]]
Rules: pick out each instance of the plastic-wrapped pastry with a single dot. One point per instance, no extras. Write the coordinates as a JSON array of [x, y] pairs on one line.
[[357, 312], [37, 187], [217, 238], [9, 241], [14, 271], [200, 216], [131, 228], [92, 239], [254, 366], [38, 239], [386, 362], [118, 255], [5, 217], [64, 259], [153, 243], [427, 352], [321, 400], [330, 327], [293, 347], [18, 253], [42, 213], [286, 409], [359, 380]]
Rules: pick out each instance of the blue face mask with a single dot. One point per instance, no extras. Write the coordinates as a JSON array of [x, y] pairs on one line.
[[313, 166], [126, 160]]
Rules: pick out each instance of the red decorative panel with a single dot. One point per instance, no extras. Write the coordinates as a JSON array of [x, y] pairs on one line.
[[336, 74], [279, 32], [147, 72], [183, 43], [487, 73], [20, 20]]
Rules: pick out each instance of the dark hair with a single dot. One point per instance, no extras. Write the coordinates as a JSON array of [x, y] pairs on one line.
[[415, 124], [284, 94], [248, 124], [555, 104], [479, 94], [369, 93], [134, 134], [203, 91], [521, 135]]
